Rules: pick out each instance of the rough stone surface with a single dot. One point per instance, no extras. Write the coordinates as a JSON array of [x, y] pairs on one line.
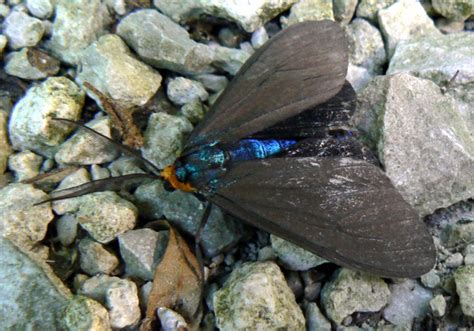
[[431, 279], [409, 300], [25, 165], [22, 30], [149, 199], [256, 297], [31, 126], [66, 228], [315, 320], [84, 148], [438, 305], [40, 8], [248, 14], [193, 111], [344, 10], [352, 291], [20, 221], [366, 47], [31, 64], [438, 58], [431, 159], [77, 24], [142, 250], [95, 258], [454, 10], [83, 313], [164, 44], [31, 296], [164, 138], [293, 257], [368, 9], [311, 10], [5, 148], [181, 90], [185, 211], [125, 165], [359, 77], [109, 66], [464, 278], [403, 21]]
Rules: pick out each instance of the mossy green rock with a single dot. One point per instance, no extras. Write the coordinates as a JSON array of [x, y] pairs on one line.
[[83, 314], [311, 10]]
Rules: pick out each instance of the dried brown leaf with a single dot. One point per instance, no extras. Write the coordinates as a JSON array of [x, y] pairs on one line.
[[177, 284]]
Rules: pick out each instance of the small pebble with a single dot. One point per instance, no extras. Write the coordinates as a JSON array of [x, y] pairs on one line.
[[95, 259], [25, 165], [431, 279], [22, 30], [66, 229], [454, 260], [259, 37], [181, 90], [438, 305]]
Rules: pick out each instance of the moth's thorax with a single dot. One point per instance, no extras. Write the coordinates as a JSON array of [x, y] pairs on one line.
[[205, 164]]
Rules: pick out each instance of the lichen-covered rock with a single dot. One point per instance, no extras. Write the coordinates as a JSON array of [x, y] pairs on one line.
[[294, 257], [32, 64], [404, 20], [31, 126], [464, 278], [248, 14], [193, 111], [164, 138], [141, 251], [185, 211], [84, 148], [352, 291], [256, 297], [181, 90], [95, 259], [430, 160], [83, 313], [77, 23], [409, 300], [25, 165], [368, 9], [109, 66], [344, 10], [366, 48], [311, 10], [5, 148], [454, 10], [22, 30], [20, 221], [31, 296]]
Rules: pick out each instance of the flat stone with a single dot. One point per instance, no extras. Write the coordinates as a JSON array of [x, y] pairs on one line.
[[352, 291], [110, 67], [311, 10], [22, 30], [430, 173], [31, 64], [31, 126], [25, 165], [95, 259], [248, 14], [83, 313], [20, 221], [464, 278], [256, 297], [404, 20]]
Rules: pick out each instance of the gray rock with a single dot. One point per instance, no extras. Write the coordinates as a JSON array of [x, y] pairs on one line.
[[366, 48], [447, 26], [315, 320], [185, 211], [344, 10], [118, 6], [31, 126], [77, 24], [5, 148], [248, 14], [4, 10], [141, 251], [266, 254], [409, 301], [409, 155], [149, 199], [97, 172], [171, 320], [294, 257], [352, 291], [460, 233], [25, 165], [193, 111], [125, 165], [84, 148], [95, 259], [66, 228], [368, 9], [454, 10], [181, 90], [431, 279], [256, 297], [213, 83], [20, 221], [61, 207], [22, 30], [438, 58], [310, 10], [469, 259], [40, 8], [144, 294], [464, 278], [164, 44], [83, 313], [454, 261], [109, 66], [31, 296], [259, 37], [229, 37], [164, 138], [31, 64], [404, 20], [438, 306], [359, 77]]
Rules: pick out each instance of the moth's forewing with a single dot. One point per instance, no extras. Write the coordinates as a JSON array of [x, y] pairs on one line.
[[342, 209], [316, 121], [300, 67]]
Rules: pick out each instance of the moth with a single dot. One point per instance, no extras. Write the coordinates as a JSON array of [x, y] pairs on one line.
[[277, 151]]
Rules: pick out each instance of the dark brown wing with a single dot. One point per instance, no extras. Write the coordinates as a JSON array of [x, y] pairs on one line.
[[342, 209], [300, 67]]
